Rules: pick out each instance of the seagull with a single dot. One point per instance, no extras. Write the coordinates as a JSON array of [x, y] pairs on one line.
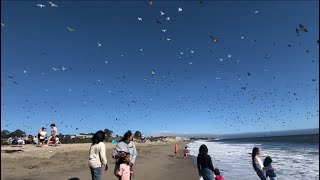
[[153, 72], [161, 13], [168, 39], [181, 53], [192, 51], [139, 19], [303, 28], [106, 62], [52, 5], [63, 68], [41, 5], [150, 2], [11, 77], [242, 37], [214, 39], [168, 18], [24, 71], [179, 9], [70, 29], [218, 78], [256, 12], [221, 59], [164, 30], [229, 55], [3, 25], [298, 32], [140, 49], [55, 69], [99, 44], [190, 63]]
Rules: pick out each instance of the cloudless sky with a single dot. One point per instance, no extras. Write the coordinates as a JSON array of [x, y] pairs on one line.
[[139, 80]]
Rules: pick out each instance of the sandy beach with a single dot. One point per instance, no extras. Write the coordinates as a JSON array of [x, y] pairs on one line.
[[69, 161]]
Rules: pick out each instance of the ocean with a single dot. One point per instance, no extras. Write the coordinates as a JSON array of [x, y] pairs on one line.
[[294, 157]]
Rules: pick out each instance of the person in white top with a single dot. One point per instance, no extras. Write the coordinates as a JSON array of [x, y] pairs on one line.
[[257, 164], [97, 156]]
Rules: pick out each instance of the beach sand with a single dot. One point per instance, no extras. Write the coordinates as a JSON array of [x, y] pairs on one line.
[[155, 161]]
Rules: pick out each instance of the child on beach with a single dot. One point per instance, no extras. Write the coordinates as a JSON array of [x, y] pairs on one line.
[[270, 172], [176, 150], [185, 154], [124, 169], [217, 174]]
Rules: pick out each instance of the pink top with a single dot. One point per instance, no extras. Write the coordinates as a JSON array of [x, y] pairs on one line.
[[124, 172], [218, 177]]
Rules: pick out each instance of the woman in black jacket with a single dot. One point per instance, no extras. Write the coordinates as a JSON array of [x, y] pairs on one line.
[[204, 163]]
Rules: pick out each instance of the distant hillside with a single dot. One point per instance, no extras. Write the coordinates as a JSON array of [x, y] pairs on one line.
[[245, 135]]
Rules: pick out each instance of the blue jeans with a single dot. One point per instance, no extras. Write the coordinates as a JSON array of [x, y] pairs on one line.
[[96, 173], [206, 174]]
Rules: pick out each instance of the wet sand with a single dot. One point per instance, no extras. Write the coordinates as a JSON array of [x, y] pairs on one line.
[[155, 161]]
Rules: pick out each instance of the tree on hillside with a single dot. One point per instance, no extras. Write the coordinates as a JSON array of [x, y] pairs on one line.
[[108, 133], [137, 135], [17, 133], [5, 133]]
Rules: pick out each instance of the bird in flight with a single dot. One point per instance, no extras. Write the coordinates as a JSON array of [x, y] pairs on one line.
[[106, 62], [162, 13], [168, 39], [52, 5], [164, 30], [153, 72], [303, 28], [192, 51], [229, 55], [24, 71], [267, 56], [168, 18], [256, 12], [70, 29], [41, 5], [99, 44], [214, 39], [179, 9], [139, 19], [158, 21], [63, 68], [298, 32], [3, 25], [150, 2], [55, 69]]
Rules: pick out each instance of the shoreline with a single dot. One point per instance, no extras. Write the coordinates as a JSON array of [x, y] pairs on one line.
[[154, 161]]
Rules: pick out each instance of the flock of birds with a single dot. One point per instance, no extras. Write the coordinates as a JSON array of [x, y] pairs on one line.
[[270, 103]]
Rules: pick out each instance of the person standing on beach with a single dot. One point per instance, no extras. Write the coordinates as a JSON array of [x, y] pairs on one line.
[[53, 133], [41, 136], [269, 173], [126, 145], [176, 150], [257, 164], [185, 153], [204, 163], [124, 167], [97, 155]]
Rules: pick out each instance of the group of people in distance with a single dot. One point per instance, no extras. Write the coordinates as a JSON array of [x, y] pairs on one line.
[[42, 134], [125, 154], [208, 172], [176, 152]]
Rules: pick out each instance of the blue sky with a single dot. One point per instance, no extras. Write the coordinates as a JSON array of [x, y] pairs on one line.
[[139, 80]]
